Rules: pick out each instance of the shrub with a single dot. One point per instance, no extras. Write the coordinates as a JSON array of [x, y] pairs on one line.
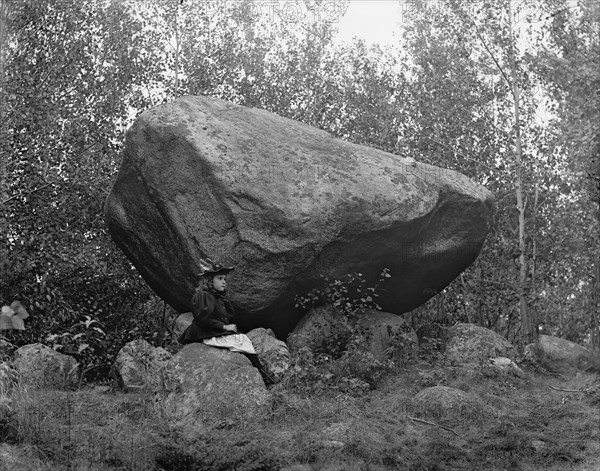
[[350, 296], [85, 341], [342, 362], [403, 349]]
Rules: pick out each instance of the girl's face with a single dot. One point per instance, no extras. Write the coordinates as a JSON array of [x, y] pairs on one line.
[[219, 282]]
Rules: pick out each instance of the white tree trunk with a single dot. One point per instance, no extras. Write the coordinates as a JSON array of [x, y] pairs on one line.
[[529, 327]]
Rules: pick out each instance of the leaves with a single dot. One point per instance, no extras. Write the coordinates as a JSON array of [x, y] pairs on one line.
[[78, 71], [11, 317], [461, 55]]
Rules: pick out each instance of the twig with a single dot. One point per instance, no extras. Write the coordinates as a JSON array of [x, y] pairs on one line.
[[570, 390], [434, 424], [26, 193]]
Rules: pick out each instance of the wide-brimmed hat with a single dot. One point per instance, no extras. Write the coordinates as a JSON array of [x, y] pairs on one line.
[[208, 267]]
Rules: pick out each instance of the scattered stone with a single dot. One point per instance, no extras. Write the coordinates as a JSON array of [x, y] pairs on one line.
[[20, 458], [298, 467], [39, 367], [286, 203], [138, 365], [538, 445], [442, 402], [322, 323], [202, 384], [332, 444], [507, 365], [102, 389], [272, 353], [469, 343], [338, 431], [562, 356]]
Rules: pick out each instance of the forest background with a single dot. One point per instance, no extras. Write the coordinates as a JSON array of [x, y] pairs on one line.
[[507, 93]]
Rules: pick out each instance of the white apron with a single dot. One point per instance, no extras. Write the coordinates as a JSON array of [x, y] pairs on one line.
[[234, 342]]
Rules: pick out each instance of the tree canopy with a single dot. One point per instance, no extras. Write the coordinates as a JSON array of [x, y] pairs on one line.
[[505, 93]]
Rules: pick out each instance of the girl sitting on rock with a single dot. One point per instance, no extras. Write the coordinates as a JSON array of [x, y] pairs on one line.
[[214, 314]]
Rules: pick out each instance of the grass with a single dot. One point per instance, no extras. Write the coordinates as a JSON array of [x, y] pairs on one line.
[[539, 422]]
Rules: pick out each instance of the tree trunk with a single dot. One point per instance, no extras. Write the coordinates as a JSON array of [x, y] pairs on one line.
[[529, 328]]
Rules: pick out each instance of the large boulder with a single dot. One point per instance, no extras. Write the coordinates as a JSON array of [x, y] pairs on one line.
[[40, 367], [138, 365], [285, 203], [470, 343], [563, 356], [201, 384]]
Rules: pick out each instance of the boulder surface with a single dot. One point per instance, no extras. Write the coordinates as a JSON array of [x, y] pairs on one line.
[[563, 356], [272, 353], [202, 384], [138, 364], [41, 367], [470, 343], [285, 203]]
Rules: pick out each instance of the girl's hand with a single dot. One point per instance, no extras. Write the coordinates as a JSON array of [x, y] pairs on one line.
[[230, 327]]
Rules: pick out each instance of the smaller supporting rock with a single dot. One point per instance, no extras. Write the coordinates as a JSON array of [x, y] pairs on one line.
[[272, 353], [202, 384], [138, 364], [323, 322]]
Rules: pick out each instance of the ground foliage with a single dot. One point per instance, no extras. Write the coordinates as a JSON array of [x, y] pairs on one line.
[[536, 422]]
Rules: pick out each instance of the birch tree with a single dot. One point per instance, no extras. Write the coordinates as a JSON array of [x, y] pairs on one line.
[[493, 136]]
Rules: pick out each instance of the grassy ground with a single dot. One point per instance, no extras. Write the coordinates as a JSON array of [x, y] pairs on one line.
[[538, 422]]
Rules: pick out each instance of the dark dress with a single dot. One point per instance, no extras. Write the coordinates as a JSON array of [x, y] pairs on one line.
[[211, 310]]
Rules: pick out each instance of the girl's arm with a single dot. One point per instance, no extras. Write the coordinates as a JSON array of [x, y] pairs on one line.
[[203, 307]]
